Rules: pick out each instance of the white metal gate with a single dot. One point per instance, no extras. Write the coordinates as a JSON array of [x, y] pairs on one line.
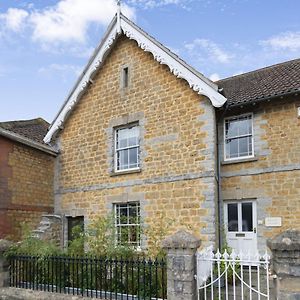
[[232, 276]]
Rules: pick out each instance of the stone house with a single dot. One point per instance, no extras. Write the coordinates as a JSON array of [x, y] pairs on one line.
[[260, 164], [146, 137], [26, 175]]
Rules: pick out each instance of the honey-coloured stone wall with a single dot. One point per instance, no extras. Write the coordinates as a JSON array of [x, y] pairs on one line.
[[177, 146], [272, 179]]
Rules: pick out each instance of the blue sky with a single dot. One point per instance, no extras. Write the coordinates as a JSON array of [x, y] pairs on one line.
[[44, 44]]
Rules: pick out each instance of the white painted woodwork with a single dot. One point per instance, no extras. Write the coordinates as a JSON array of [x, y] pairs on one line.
[[242, 240]]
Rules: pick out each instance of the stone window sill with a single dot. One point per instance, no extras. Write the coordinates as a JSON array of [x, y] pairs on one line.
[[238, 161], [112, 174]]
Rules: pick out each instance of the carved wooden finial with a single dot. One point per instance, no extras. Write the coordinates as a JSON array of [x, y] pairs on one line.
[[119, 6], [119, 16]]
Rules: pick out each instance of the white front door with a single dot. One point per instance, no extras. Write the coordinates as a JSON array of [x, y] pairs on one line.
[[240, 226]]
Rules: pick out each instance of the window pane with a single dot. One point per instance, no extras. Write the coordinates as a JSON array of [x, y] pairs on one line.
[[123, 239], [232, 210], [245, 126], [123, 159], [133, 157], [133, 234], [122, 143], [132, 210], [243, 146], [238, 126], [133, 214], [250, 151], [123, 215], [231, 128], [232, 148], [127, 137], [133, 141], [247, 217]]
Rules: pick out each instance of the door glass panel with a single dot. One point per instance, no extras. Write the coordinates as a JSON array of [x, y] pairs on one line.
[[247, 216], [232, 209]]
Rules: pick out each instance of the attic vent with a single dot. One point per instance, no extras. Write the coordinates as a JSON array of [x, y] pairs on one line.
[[125, 77]]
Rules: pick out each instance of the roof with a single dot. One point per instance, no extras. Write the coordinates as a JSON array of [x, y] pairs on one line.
[[34, 129], [120, 24], [28, 132], [277, 80]]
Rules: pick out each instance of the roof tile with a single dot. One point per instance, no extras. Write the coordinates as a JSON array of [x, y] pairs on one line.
[[271, 81], [34, 129]]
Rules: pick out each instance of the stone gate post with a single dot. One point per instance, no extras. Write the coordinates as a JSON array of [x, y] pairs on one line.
[[4, 271], [286, 263], [181, 265]]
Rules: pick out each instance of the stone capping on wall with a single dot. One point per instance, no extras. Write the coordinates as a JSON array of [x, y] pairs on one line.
[[181, 240], [286, 241], [10, 293], [286, 264], [286, 253]]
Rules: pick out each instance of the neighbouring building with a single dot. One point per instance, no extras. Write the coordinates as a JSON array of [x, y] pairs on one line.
[[260, 154], [26, 175], [145, 136]]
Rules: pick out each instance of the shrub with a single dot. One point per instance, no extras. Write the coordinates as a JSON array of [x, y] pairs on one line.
[[33, 246]]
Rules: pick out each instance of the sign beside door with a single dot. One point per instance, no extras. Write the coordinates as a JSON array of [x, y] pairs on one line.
[[241, 223]]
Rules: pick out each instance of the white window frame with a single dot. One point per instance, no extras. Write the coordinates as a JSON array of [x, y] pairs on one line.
[[252, 137], [137, 245], [239, 210], [116, 170]]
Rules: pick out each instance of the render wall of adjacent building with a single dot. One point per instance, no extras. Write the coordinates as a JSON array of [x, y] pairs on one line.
[[177, 148], [26, 187], [272, 178]]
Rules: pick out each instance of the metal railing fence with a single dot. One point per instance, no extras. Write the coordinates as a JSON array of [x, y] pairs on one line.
[[90, 276]]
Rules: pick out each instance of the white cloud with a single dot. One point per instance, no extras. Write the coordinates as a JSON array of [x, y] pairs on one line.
[[284, 41], [69, 20], [66, 22], [204, 48], [14, 19], [214, 77], [217, 60]]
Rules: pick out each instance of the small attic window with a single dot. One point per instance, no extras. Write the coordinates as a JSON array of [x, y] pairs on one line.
[[125, 77]]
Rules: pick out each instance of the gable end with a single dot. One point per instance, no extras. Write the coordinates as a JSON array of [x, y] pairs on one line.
[[179, 68]]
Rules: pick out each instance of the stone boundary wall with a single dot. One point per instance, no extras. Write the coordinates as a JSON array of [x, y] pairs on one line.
[[286, 264], [181, 249], [23, 294]]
